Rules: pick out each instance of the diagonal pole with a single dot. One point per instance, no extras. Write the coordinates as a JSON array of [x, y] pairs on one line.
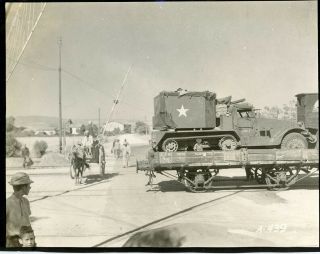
[[116, 101]]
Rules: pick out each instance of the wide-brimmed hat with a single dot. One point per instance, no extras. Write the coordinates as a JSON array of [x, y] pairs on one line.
[[20, 178]]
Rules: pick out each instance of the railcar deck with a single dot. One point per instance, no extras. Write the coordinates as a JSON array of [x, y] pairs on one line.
[[275, 168]]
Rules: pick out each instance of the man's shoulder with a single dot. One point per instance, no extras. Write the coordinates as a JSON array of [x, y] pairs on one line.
[[11, 200]]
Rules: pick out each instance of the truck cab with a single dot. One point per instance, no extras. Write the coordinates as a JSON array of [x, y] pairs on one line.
[[259, 132]]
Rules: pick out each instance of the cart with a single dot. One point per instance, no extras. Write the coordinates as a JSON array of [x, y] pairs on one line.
[[97, 156]]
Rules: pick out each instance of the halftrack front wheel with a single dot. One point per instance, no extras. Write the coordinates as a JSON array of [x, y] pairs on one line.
[[294, 141], [170, 145], [228, 143]]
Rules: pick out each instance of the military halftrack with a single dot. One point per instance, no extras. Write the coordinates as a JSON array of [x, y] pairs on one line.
[[181, 117]]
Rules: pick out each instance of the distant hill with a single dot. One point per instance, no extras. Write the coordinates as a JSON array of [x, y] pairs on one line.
[[37, 122], [51, 122]]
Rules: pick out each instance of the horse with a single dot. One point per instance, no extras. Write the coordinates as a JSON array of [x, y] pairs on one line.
[[78, 162]]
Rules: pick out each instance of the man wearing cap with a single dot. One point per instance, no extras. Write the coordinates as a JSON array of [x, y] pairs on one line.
[[87, 142], [17, 208]]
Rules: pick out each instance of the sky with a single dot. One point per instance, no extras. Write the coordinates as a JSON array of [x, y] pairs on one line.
[[265, 52]]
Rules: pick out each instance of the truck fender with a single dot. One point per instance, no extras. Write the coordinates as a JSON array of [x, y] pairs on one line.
[[280, 136]]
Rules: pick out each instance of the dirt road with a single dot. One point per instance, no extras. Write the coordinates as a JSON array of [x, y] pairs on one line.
[[106, 212]]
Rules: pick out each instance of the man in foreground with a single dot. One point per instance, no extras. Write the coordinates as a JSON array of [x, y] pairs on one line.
[[17, 208]]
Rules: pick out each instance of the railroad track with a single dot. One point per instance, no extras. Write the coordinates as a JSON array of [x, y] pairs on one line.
[[170, 216], [68, 191], [129, 233]]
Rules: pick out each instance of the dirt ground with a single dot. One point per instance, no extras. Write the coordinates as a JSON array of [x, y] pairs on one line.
[[105, 212]]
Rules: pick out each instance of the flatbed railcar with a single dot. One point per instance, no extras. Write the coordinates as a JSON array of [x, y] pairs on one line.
[[277, 169]]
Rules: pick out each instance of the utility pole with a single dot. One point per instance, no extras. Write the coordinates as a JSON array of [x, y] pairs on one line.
[[60, 110], [99, 120]]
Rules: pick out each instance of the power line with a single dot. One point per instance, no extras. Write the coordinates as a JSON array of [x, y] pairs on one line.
[[34, 65], [26, 42], [99, 91], [86, 83]]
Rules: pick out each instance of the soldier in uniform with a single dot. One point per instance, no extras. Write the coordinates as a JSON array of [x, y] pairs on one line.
[[151, 157], [198, 146], [26, 156], [126, 151]]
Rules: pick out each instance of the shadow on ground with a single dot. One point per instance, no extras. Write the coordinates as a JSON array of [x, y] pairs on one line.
[[310, 183], [98, 178], [171, 186], [34, 218]]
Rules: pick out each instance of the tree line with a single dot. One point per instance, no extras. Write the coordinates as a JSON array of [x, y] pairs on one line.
[[287, 111]]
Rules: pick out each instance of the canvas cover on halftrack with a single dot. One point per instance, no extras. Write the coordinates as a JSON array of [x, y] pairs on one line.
[[184, 110]]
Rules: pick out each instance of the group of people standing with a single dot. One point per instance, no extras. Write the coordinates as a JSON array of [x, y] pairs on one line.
[[124, 150]]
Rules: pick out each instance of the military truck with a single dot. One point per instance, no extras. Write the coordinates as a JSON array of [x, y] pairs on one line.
[[181, 117]]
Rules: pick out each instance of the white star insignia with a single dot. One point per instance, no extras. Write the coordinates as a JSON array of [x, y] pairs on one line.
[[182, 92], [182, 111]]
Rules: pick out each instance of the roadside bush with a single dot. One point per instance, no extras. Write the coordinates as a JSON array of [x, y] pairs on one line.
[[13, 147], [25, 133], [39, 148]]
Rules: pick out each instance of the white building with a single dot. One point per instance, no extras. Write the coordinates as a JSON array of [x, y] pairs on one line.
[[45, 132], [114, 125], [75, 130]]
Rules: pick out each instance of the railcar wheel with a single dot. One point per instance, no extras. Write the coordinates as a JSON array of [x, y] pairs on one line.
[[215, 172], [282, 178], [294, 141], [275, 179], [170, 145], [228, 144], [195, 181], [260, 175], [192, 188]]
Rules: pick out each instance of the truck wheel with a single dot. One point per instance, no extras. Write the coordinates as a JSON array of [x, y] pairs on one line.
[[294, 141], [170, 145]]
